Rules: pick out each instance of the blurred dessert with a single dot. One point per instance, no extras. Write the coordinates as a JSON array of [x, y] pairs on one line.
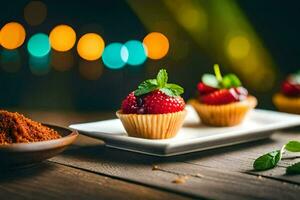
[[155, 110], [222, 101], [288, 99], [15, 128]]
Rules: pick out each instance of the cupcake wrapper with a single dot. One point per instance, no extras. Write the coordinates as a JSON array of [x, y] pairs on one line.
[[224, 115], [287, 104], [152, 126]]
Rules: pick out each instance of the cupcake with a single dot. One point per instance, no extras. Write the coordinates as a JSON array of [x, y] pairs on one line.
[[154, 110], [288, 99], [222, 101]]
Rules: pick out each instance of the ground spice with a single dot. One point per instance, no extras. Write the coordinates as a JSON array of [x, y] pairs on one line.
[[15, 128]]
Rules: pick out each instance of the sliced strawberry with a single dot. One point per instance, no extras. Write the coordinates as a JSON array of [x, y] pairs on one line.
[[290, 89], [157, 102], [242, 93], [220, 97], [205, 89]]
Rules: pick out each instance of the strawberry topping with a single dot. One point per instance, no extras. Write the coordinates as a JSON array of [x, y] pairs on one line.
[[157, 102], [154, 96], [290, 88], [224, 96]]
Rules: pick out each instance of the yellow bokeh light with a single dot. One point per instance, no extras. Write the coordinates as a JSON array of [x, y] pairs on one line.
[[157, 45], [62, 38], [12, 35], [90, 46], [238, 47]]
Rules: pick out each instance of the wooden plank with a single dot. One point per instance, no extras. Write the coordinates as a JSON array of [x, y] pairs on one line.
[[202, 182], [53, 181], [239, 158]]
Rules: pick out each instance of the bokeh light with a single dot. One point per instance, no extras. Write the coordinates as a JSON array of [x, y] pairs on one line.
[[39, 45], [90, 46], [136, 52], [115, 55], [39, 65], [35, 12], [62, 61], [62, 38], [90, 70], [12, 35], [157, 45], [238, 47], [10, 60]]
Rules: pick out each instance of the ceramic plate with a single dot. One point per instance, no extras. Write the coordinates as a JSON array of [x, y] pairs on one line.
[[193, 136], [21, 154]]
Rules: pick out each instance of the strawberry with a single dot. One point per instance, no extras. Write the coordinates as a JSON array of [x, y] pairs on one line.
[[129, 104], [205, 89], [290, 89], [224, 96], [157, 102]]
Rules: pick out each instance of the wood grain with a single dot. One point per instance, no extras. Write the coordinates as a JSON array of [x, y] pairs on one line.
[[203, 181], [224, 173], [53, 181]]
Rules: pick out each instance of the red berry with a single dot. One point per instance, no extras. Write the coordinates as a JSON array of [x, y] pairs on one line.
[[157, 102], [205, 89], [225, 96], [129, 104], [290, 89]]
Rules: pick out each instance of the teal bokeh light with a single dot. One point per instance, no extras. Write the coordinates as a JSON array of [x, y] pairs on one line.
[[115, 56], [39, 45], [136, 52]]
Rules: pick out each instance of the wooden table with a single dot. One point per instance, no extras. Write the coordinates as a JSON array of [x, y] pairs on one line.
[[89, 170]]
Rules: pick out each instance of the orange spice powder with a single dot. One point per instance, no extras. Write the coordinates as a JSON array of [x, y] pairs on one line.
[[15, 128]]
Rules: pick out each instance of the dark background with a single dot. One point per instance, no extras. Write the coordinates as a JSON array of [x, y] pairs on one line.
[[276, 23]]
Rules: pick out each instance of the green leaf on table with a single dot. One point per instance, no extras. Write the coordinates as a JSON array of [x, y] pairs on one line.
[[210, 80], [293, 169], [293, 146], [162, 78], [146, 87], [267, 161], [231, 80]]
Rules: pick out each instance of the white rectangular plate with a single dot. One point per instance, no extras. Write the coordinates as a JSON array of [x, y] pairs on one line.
[[193, 136]]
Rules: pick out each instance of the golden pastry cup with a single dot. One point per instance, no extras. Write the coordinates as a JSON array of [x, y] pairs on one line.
[[287, 104], [152, 126], [224, 115]]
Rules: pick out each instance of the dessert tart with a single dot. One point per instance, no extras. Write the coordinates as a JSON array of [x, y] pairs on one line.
[[222, 101], [288, 99], [155, 110]]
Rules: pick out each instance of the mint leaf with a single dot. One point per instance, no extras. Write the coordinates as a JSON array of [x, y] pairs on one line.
[[146, 87], [267, 161], [162, 78], [293, 169], [172, 89], [210, 80], [231, 80], [160, 83], [293, 146]]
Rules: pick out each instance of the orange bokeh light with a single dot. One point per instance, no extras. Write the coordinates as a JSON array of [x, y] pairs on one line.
[[12, 35], [157, 45], [62, 38], [90, 46]]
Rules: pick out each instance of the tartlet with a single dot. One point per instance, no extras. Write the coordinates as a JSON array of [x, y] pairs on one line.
[[222, 101], [155, 110], [288, 99]]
